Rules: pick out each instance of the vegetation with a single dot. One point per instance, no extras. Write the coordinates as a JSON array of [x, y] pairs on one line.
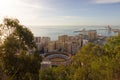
[[92, 62], [16, 61]]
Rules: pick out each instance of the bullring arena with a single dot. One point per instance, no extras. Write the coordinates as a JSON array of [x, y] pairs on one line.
[[55, 59]]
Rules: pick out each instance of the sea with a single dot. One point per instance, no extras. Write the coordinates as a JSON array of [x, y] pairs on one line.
[[54, 31]]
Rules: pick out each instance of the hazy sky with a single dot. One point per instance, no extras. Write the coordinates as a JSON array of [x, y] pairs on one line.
[[62, 12]]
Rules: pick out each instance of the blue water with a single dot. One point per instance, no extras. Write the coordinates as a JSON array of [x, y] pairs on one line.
[[54, 31]]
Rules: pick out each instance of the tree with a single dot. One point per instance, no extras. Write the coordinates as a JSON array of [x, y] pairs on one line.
[[16, 63], [91, 64], [47, 74], [112, 48]]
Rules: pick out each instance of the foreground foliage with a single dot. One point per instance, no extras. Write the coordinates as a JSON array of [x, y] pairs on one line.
[[16, 60]]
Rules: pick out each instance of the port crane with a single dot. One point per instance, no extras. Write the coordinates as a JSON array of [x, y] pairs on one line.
[[108, 30]]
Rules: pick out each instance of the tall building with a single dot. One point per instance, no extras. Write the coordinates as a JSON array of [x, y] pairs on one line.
[[72, 38], [37, 39], [74, 47], [41, 42], [51, 46], [38, 42], [63, 38], [67, 47], [90, 35], [45, 40], [59, 45]]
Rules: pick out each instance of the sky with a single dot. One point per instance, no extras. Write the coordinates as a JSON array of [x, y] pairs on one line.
[[62, 12]]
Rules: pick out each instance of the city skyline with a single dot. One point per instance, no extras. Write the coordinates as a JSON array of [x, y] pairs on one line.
[[62, 12]]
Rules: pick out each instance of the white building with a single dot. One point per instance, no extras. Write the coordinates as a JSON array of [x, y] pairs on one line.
[[85, 42]]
